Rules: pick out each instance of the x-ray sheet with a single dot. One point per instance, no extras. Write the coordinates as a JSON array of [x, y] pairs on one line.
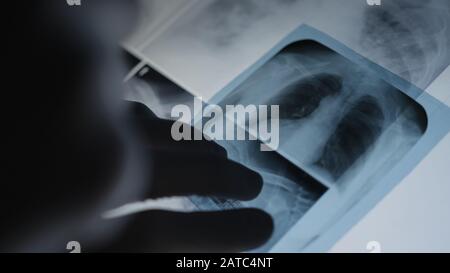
[[340, 126]]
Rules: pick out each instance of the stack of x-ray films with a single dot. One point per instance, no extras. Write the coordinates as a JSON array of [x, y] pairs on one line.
[[347, 123]]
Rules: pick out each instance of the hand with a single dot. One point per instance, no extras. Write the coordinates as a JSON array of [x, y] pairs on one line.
[[65, 149], [187, 168]]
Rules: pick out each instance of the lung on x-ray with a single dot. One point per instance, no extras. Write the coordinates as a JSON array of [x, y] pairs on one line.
[[335, 117]]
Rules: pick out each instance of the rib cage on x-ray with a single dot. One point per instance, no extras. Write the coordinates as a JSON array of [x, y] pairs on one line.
[[331, 112], [338, 123]]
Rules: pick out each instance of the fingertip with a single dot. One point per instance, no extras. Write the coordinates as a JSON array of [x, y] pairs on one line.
[[265, 226], [246, 182]]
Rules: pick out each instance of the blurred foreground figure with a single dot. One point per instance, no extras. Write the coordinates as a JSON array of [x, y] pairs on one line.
[[74, 149]]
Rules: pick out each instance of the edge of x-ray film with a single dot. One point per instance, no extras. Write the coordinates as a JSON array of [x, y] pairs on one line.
[[152, 24], [439, 87]]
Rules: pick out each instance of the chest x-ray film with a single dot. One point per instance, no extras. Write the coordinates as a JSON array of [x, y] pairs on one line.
[[349, 132]]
